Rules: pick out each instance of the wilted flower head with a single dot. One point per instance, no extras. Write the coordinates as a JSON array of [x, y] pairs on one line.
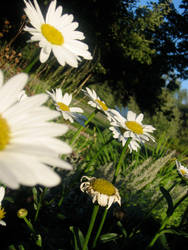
[[56, 33], [28, 146], [101, 191]]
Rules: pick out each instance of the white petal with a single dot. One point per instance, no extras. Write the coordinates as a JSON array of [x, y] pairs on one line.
[[3, 223], [2, 194], [131, 116], [10, 91], [44, 54], [63, 55], [1, 78], [67, 99], [50, 12], [139, 118], [76, 109]]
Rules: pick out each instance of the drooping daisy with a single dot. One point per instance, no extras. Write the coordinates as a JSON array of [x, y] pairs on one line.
[[2, 211], [183, 171], [131, 127], [28, 146], [95, 102], [101, 191], [63, 102], [56, 33]]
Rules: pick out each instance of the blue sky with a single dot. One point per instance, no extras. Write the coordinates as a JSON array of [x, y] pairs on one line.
[[184, 84]]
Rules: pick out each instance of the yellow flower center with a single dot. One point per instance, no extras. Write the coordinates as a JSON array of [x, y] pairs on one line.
[[51, 34], [63, 106], [103, 187], [134, 127], [4, 133], [183, 172], [102, 104], [2, 213]]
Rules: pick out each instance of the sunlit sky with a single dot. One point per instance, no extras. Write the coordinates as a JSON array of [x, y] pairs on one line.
[[184, 84]]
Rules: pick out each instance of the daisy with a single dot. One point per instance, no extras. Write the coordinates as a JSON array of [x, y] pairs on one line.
[[27, 140], [2, 211], [96, 102], [101, 191], [131, 127], [183, 171], [63, 102], [56, 33]]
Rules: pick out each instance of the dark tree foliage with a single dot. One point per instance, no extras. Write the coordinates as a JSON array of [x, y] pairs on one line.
[[133, 48]]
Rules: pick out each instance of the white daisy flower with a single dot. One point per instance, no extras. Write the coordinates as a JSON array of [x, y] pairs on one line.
[[2, 211], [183, 171], [63, 102], [27, 140], [56, 33], [101, 191], [131, 127]]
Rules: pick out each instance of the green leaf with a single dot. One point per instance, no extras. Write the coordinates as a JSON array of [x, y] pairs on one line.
[[108, 237], [11, 247], [168, 199], [78, 238], [122, 228], [172, 231], [164, 242], [34, 190], [39, 240]]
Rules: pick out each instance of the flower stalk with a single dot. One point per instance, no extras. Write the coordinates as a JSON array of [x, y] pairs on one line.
[[92, 222], [76, 135], [100, 228], [165, 221], [123, 153]]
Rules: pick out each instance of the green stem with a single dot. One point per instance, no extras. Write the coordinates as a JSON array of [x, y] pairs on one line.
[[39, 205], [92, 221], [121, 159], [81, 128], [165, 221], [29, 67], [100, 228], [150, 210], [29, 225], [158, 233]]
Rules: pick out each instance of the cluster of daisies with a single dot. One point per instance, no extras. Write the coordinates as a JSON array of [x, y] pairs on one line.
[[29, 144]]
